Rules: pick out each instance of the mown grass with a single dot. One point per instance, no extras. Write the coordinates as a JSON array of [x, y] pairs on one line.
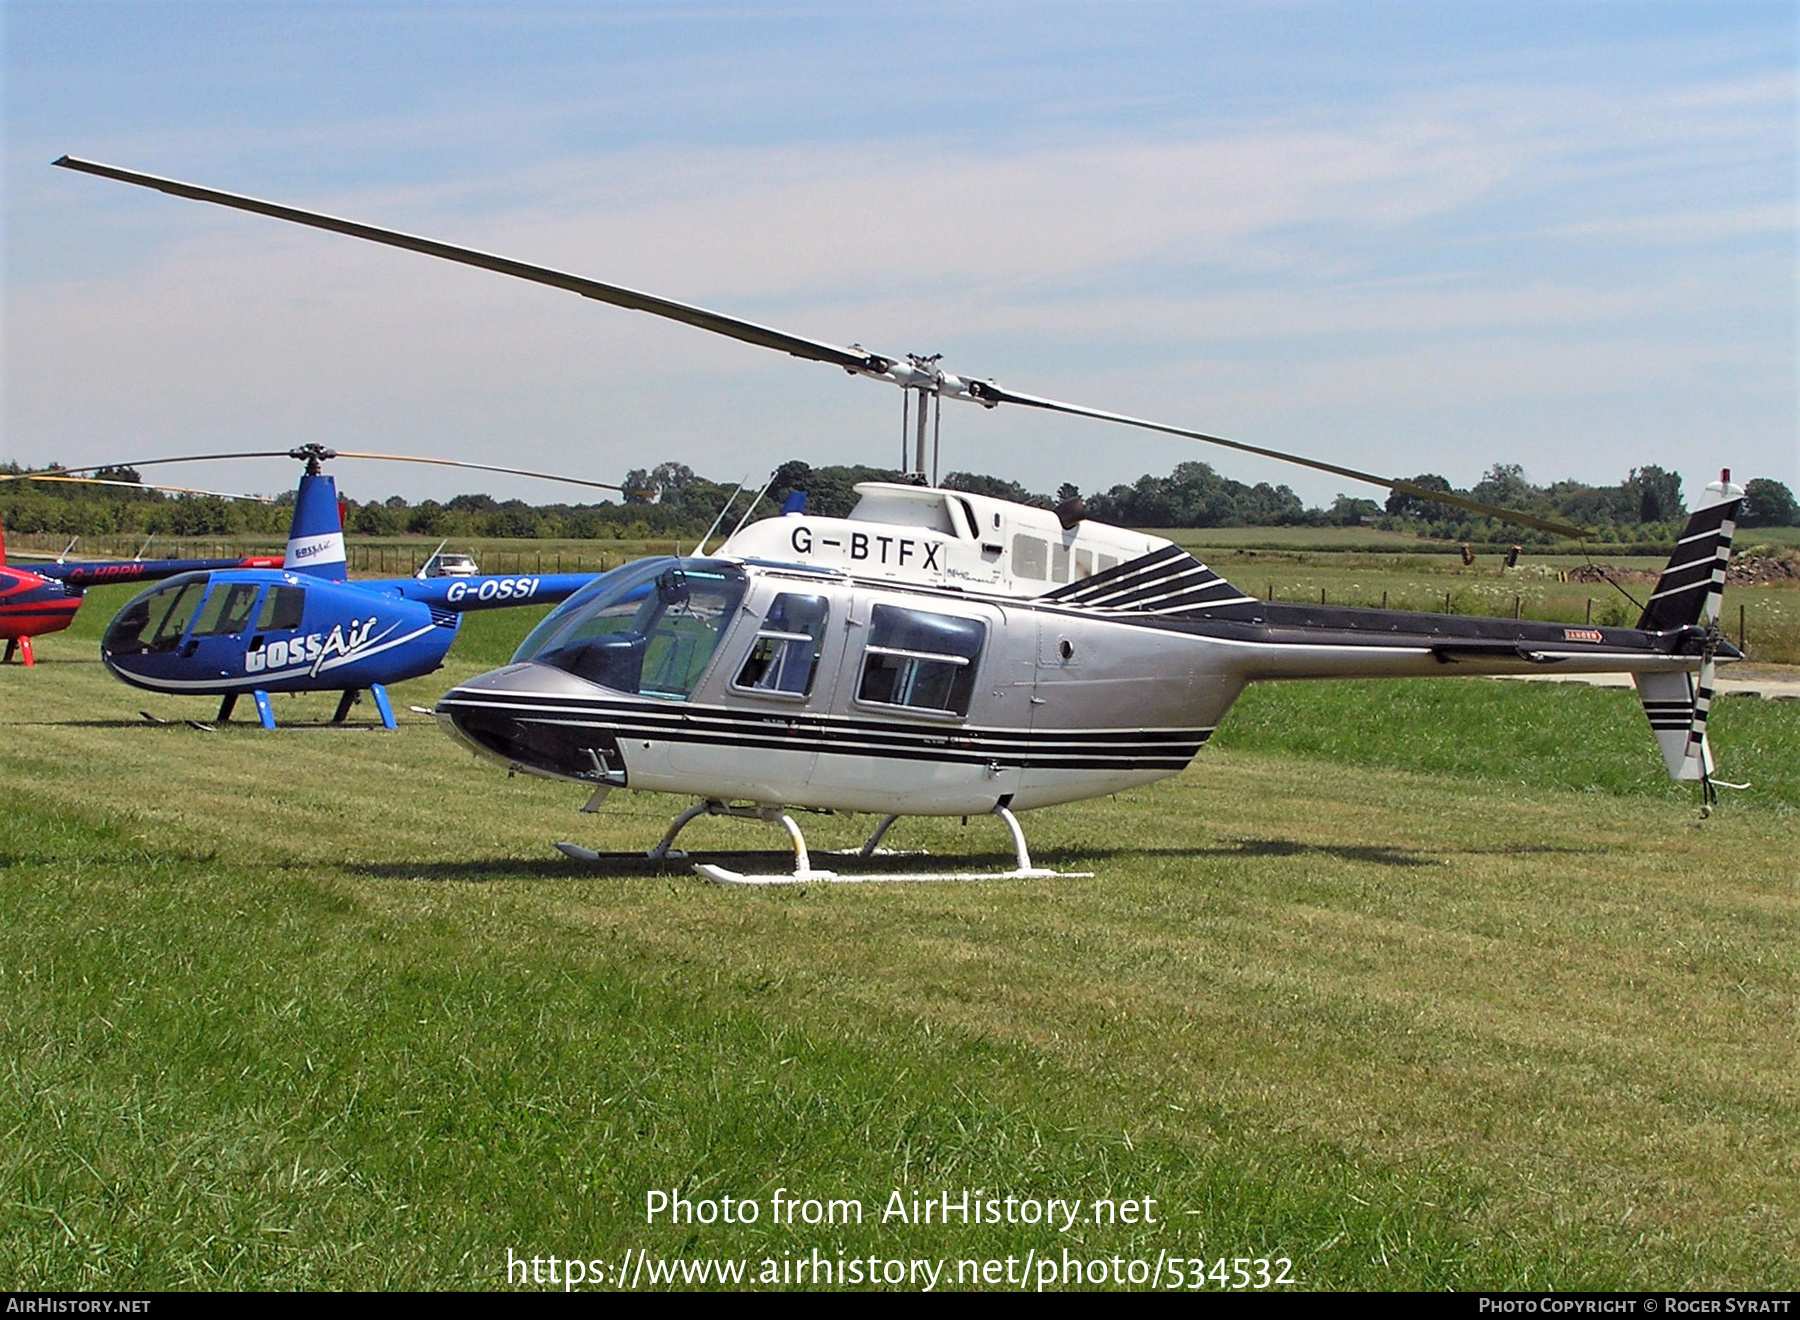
[[1401, 991]]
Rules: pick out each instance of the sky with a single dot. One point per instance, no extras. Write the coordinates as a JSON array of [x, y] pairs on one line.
[[1403, 237]]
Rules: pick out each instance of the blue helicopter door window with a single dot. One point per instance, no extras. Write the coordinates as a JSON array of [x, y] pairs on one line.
[[174, 620], [921, 661], [282, 610], [227, 610], [785, 655]]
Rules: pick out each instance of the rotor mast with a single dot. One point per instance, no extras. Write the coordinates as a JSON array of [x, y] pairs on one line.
[[920, 375]]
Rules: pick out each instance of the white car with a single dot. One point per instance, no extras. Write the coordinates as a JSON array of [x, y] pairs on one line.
[[449, 566]]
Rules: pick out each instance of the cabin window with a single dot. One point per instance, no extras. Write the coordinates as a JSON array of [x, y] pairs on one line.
[[1059, 562], [282, 610], [785, 655], [1084, 563], [1030, 556], [921, 661], [153, 621], [227, 609], [172, 622]]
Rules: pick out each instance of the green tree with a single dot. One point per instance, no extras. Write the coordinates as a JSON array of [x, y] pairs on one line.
[[1768, 503], [1653, 495], [1504, 484], [1402, 505], [977, 483]]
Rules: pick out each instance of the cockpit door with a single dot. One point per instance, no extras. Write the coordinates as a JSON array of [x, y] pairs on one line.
[[773, 676]]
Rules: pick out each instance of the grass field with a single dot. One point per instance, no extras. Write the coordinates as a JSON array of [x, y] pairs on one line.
[[1436, 985]]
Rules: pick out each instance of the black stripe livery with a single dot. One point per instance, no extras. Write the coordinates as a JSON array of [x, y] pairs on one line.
[[1696, 570]]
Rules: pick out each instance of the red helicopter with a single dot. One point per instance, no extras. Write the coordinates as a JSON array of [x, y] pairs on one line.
[[44, 598]]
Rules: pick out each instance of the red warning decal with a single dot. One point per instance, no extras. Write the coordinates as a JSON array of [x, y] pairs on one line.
[[1582, 635]]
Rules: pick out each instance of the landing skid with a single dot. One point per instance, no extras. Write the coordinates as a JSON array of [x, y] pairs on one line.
[[265, 709], [804, 872]]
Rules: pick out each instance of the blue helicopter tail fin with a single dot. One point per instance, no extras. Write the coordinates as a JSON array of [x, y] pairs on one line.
[[316, 537]]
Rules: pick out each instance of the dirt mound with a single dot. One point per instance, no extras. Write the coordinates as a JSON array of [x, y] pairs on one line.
[[1607, 573], [1763, 570], [1746, 571]]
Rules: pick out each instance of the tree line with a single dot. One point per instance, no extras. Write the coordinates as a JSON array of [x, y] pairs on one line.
[[672, 500]]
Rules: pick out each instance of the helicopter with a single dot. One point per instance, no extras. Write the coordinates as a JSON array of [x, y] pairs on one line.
[[45, 598], [943, 653], [303, 626]]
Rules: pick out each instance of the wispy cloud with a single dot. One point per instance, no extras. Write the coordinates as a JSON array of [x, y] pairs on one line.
[[1476, 247]]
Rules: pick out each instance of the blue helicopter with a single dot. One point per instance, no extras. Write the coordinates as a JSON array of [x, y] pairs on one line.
[[44, 597], [306, 627]]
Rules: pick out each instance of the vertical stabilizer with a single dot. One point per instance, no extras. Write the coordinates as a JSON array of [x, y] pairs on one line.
[[316, 538], [1692, 585], [1689, 594]]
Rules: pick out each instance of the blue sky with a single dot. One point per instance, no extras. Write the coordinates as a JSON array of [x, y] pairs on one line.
[[1404, 237]]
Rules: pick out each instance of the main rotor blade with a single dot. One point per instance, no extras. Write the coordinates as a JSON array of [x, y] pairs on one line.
[[489, 467], [852, 359], [986, 391], [190, 458], [129, 485], [326, 455]]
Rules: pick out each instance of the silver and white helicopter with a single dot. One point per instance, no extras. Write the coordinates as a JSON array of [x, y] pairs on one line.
[[939, 653]]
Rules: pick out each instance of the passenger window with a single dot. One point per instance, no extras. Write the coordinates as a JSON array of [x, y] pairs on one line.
[[785, 655], [1030, 556], [923, 661], [282, 610], [227, 609]]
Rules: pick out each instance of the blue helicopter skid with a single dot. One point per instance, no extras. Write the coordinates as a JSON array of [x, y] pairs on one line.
[[264, 710], [379, 692]]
